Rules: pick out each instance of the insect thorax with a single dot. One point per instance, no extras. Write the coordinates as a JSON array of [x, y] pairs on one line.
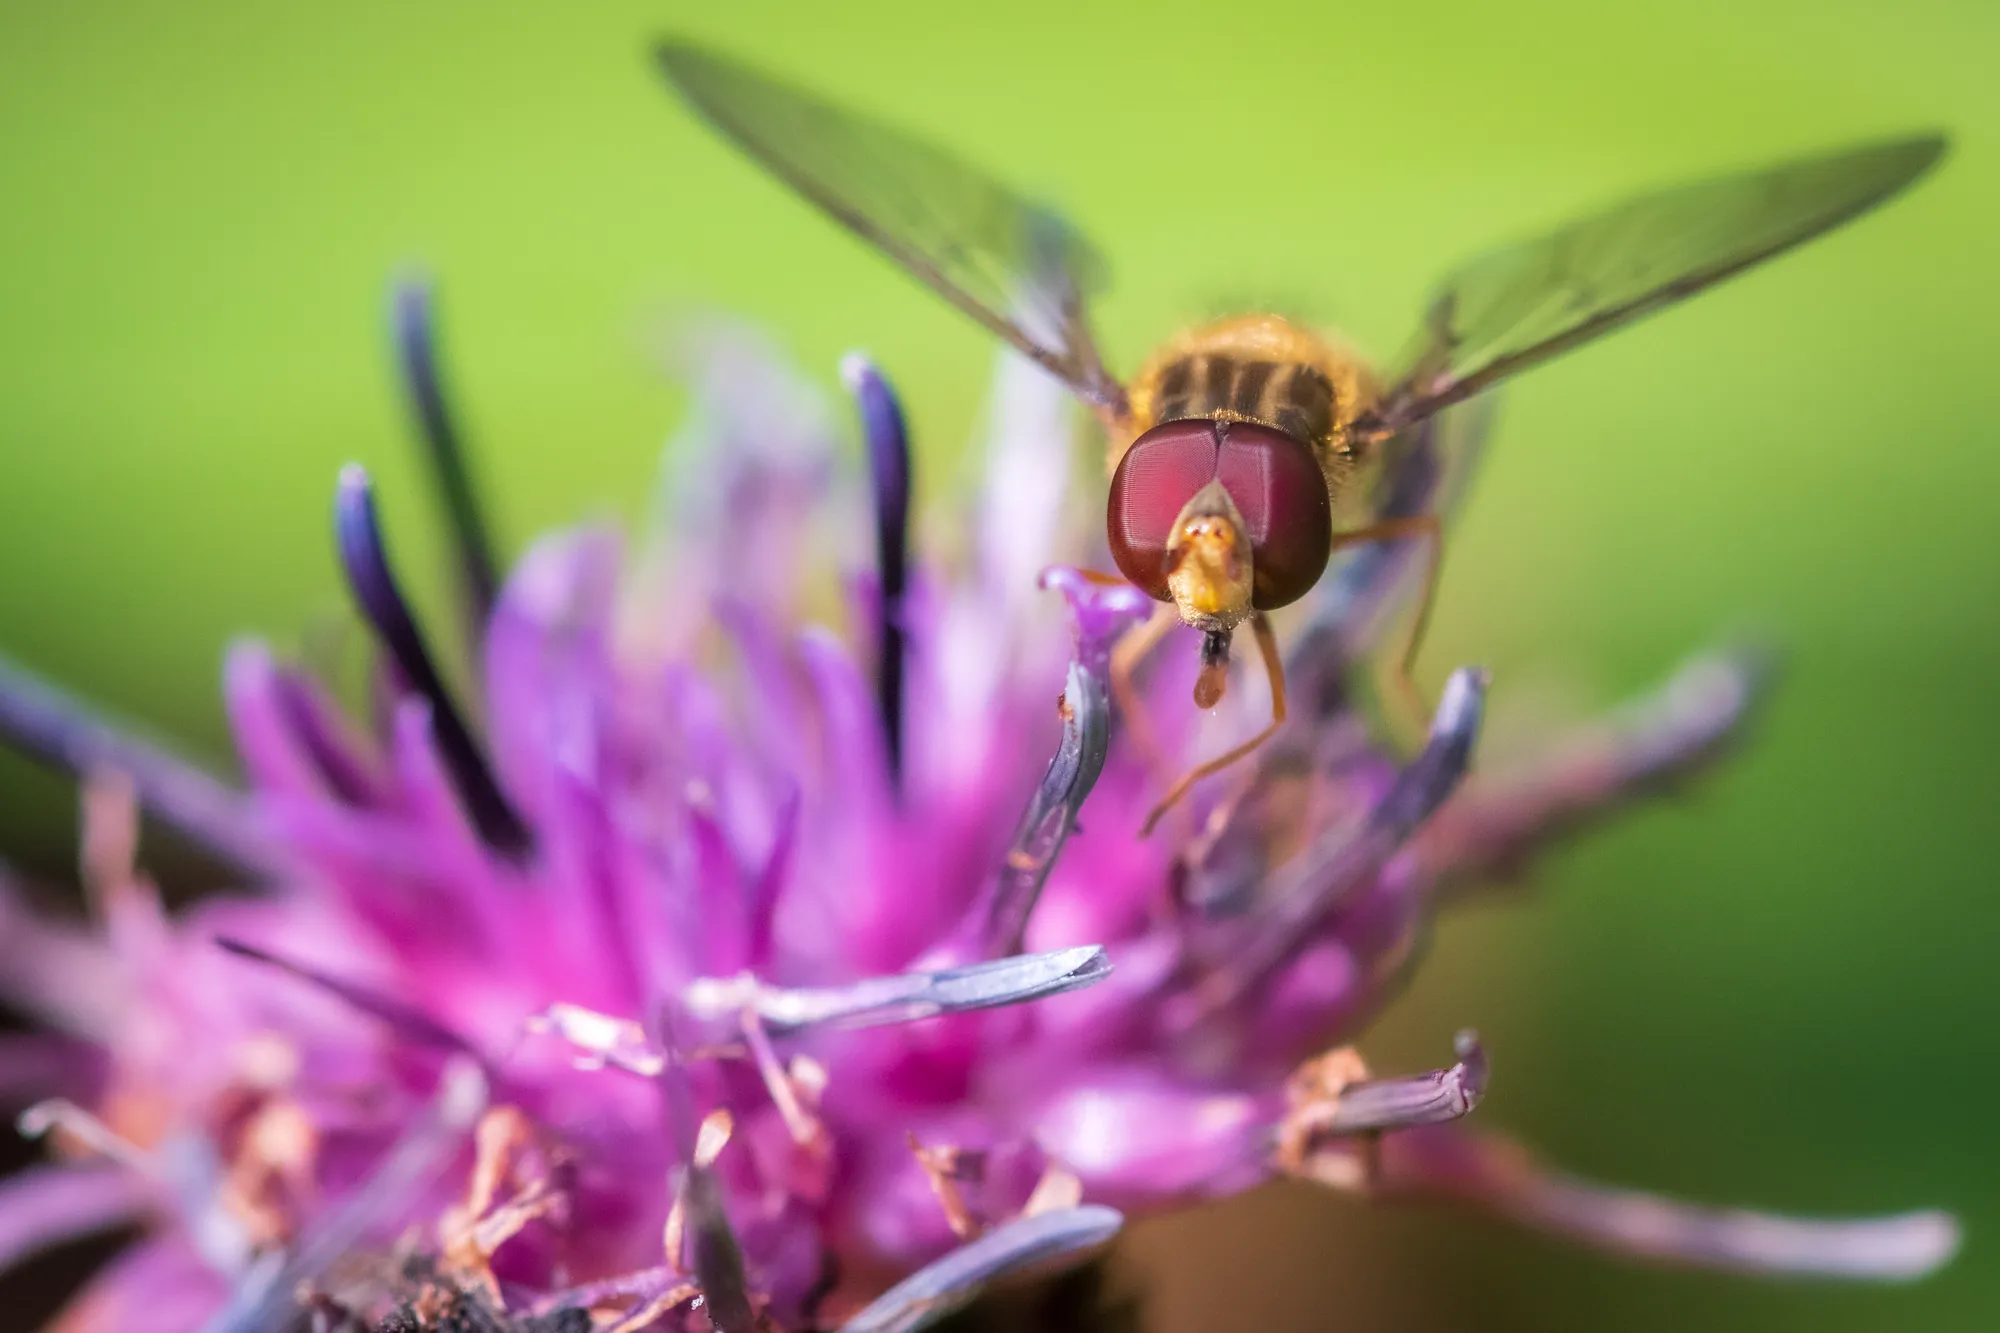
[[1260, 368]]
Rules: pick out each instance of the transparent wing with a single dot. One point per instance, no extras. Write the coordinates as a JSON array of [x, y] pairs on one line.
[[1015, 267], [1519, 306]]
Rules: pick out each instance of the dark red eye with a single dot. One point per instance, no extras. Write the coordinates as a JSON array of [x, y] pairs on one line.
[[1277, 484], [1157, 477], [1273, 478]]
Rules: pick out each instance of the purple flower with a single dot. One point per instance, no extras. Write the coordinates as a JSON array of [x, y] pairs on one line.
[[744, 965]]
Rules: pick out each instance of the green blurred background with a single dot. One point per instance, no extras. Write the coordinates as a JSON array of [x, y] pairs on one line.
[[1778, 991]]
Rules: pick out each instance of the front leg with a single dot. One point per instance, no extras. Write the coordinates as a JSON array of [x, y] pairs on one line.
[[1274, 670], [1428, 529]]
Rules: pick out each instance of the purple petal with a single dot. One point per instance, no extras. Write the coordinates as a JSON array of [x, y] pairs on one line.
[[1140, 1139], [543, 658], [407, 1022], [857, 762], [952, 1282], [290, 736], [47, 1205], [60, 730], [62, 975], [1497, 1175], [471, 892], [351, 772], [160, 1285], [745, 492], [386, 871], [601, 919], [1366, 950], [858, 893], [266, 742], [35, 1065], [780, 721], [768, 889]]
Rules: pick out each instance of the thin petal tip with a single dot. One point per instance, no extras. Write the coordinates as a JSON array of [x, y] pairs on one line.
[[1716, 689], [1463, 699], [857, 369], [1083, 964], [1916, 1245], [1473, 1069]]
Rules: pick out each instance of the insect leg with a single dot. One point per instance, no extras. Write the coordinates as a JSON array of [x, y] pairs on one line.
[[1274, 671], [1131, 649], [1430, 530]]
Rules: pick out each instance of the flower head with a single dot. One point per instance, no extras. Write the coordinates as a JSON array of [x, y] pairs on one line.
[[742, 969]]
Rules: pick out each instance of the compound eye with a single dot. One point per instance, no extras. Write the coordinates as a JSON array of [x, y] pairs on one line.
[[1279, 489], [1157, 477]]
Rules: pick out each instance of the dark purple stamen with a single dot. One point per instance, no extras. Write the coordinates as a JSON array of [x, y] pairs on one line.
[[367, 563], [414, 327], [887, 437], [59, 730]]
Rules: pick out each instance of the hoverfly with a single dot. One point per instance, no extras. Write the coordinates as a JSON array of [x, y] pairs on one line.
[[1246, 451]]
